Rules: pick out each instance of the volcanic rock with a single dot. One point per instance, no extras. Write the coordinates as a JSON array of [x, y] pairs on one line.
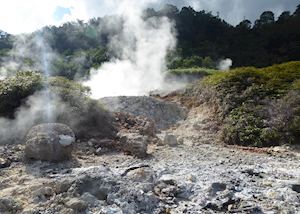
[[77, 204], [134, 144], [49, 142], [9, 205], [4, 163], [170, 140], [163, 113]]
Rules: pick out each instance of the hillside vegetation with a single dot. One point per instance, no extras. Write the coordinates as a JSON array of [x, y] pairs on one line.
[[257, 107], [72, 103], [203, 40]]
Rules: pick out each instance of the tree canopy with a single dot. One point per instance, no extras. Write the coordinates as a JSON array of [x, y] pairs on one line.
[[202, 39]]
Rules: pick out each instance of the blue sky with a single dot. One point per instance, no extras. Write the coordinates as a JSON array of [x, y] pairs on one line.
[[60, 12]]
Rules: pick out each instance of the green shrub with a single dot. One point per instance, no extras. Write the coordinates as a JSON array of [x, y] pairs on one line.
[[259, 107], [85, 116], [15, 89], [193, 70]]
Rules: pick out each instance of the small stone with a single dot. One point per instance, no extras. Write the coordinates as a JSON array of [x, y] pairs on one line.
[[135, 144], [98, 151], [89, 198], [114, 209], [91, 142], [9, 205], [141, 175], [180, 140], [67, 211], [217, 187], [62, 186], [4, 163], [43, 192], [191, 178], [170, 140], [296, 188], [29, 211], [76, 204]]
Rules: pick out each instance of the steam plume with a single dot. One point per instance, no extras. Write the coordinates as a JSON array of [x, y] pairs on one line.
[[225, 64], [28, 115], [141, 47]]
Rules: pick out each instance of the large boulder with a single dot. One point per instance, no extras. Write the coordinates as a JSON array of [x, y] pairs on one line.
[[49, 142], [163, 113], [134, 144]]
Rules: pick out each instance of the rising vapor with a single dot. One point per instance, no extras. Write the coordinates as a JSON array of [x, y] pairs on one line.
[[225, 64], [141, 47]]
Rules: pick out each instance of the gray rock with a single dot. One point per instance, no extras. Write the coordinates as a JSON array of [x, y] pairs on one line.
[[296, 188], [67, 211], [49, 142], [89, 198], [170, 140], [76, 204], [4, 163], [142, 174], [9, 205], [217, 187], [43, 193], [29, 211], [164, 114], [62, 186], [114, 209], [134, 144]]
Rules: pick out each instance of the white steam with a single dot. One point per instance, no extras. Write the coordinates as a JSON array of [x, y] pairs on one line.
[[28, 53], [225, 64], [141, 48], [28, 115]]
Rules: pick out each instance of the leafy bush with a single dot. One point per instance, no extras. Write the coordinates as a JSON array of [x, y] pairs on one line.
[[258, 107], [85, 116], [15, 89], [193, 61]]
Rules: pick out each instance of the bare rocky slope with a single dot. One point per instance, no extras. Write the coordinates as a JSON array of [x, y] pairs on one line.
[[185, 170]]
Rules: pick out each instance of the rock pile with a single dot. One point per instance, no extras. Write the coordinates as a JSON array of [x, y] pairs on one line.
[[135, 124], [164, 114]]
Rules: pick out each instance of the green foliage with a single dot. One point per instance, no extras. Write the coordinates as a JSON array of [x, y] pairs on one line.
[[208, 62], [270, 81], [259, 107], [193, 70], [244, 127], [14, 89], [78, 64], [199, 34], [193, 61], [85, 116]]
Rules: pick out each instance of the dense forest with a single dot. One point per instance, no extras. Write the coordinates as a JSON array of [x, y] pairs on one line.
[[203, 40]]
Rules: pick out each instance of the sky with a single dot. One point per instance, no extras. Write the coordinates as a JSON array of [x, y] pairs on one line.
[[24, 16]]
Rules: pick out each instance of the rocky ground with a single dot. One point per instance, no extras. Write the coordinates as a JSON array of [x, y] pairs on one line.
[[185, 171]]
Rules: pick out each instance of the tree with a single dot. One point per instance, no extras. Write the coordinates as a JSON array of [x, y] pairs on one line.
[[285, 15], [246, 24], [297, 11], [169, 11], [266, 17], [208, 62]]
